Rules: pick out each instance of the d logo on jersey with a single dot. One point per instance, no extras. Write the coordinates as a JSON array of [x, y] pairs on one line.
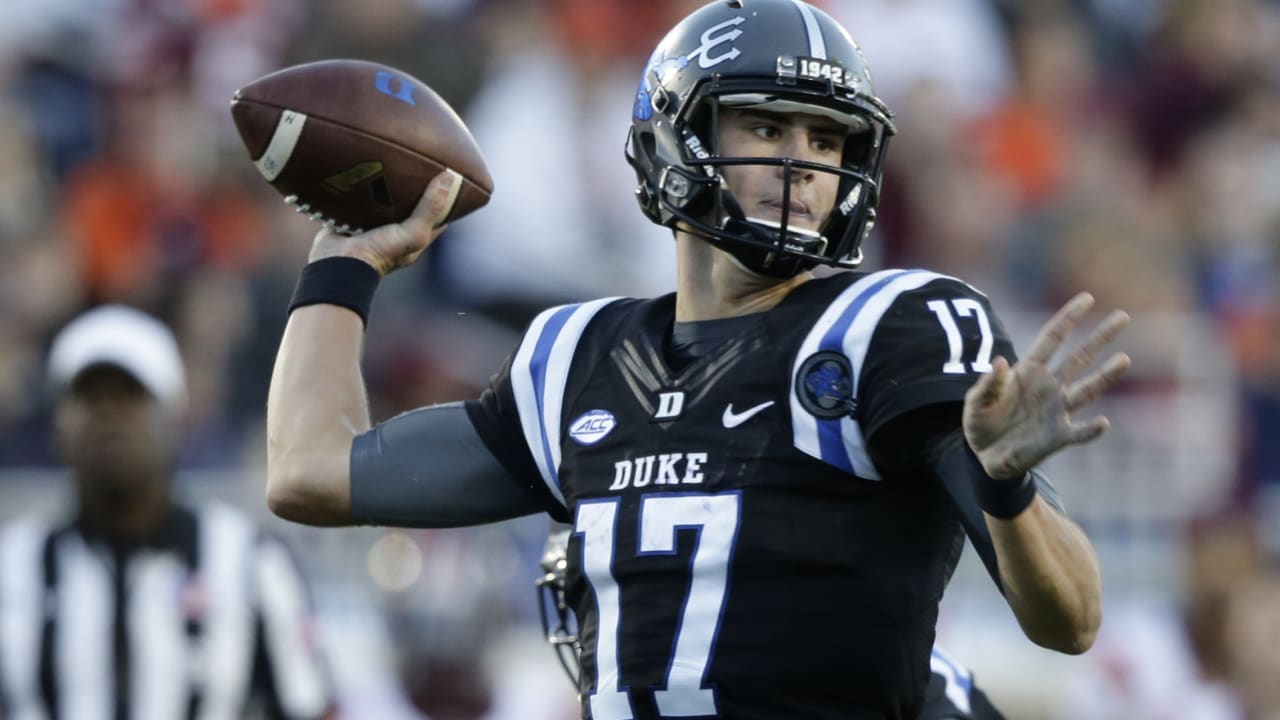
[[670, 405], [825, 385]]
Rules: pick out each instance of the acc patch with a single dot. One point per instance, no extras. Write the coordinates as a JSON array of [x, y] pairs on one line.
[[824, 385], [591, 427]]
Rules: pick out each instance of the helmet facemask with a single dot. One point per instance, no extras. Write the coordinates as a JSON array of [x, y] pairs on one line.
[[784, 245], [559, 627]]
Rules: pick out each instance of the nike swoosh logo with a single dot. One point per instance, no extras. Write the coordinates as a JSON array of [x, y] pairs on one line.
[[733, 420]]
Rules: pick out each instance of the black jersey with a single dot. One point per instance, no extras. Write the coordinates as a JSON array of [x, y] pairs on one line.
[[737, 550]]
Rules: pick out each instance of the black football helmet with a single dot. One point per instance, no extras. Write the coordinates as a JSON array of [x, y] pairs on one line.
[[771, 55]]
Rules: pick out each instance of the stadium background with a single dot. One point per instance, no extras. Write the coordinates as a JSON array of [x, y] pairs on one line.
[[1127, 147]]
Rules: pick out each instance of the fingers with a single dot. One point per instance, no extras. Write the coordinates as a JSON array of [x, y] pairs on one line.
[[1102, 335], [1058, 328], [1087, 390], [988, 388]]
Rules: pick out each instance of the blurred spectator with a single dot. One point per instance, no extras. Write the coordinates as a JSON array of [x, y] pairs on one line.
[[1252, 628], [552, 120], [137, 604], [1202, 661], [1025, 138], [446, 608], [441, 42], [461, 647], [1210, 53], [955, 46]]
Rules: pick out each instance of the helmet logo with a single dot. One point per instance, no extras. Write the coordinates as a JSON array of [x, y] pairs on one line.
[[711, 41]]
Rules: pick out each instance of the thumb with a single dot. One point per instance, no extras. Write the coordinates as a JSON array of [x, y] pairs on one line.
[[437, 200]]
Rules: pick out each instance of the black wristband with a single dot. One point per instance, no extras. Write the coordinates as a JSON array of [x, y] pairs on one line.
[[343, 281], [1004, 499]]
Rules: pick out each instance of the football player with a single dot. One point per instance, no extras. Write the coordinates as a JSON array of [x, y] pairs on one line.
[[768, 475]]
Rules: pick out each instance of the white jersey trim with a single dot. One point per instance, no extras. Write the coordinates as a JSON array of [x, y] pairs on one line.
[[539, 373]]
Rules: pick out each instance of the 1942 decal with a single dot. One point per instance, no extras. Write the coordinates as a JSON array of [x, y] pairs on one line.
[[815, 69]]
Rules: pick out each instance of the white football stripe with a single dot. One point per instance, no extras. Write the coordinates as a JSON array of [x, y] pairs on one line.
[[817, 44], [283, 141]]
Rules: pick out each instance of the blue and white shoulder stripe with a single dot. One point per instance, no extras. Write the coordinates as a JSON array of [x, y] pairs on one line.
[[845, 329], [539, 373]]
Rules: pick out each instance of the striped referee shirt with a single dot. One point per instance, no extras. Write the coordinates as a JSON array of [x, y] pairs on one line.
[[209, 619]]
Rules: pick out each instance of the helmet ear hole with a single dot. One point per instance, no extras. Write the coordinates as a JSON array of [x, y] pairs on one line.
[[648, 144]]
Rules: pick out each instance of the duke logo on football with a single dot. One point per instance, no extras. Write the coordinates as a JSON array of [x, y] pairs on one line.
[[404, 94]]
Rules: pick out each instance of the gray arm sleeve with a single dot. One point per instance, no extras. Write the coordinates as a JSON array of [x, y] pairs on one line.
[[429, 468]]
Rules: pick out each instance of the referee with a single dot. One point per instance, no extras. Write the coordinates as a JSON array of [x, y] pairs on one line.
[[137, 607]]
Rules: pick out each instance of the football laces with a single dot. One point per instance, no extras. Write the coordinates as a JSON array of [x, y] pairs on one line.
[[305, 209]]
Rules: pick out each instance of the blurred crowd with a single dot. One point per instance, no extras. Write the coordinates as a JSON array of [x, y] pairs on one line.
[[1126, 147]]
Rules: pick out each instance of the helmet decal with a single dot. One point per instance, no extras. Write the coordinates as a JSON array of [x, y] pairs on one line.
[[663, 70], [711, 41]]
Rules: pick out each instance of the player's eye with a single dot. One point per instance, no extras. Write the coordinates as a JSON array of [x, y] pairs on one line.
[[766, 131], [825, 145]]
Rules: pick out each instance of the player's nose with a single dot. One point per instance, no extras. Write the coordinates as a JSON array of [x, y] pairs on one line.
[[796, 147]]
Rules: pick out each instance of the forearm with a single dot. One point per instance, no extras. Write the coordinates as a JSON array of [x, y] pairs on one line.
[[315, 408], [317, 404], [1050, 577]]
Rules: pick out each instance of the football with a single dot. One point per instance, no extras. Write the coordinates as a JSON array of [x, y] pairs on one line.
[[353, 144]]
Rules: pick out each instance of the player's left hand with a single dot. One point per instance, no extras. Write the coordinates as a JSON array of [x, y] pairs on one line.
[[1015, 417]]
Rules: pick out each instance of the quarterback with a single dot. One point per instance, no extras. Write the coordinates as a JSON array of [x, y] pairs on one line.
[[768, 476]]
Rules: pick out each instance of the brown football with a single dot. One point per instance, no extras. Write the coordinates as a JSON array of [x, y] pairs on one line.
[[353, 144]]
